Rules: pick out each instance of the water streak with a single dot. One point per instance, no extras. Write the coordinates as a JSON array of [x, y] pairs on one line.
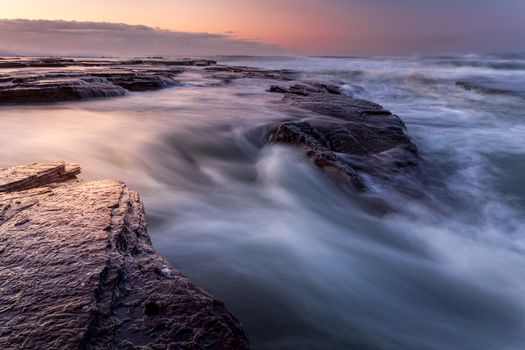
[[292, 253]]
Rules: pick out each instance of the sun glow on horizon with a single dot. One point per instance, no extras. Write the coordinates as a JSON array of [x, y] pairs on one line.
[[307, 26]]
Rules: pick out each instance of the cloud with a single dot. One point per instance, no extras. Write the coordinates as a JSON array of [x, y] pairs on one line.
[[23, 36]]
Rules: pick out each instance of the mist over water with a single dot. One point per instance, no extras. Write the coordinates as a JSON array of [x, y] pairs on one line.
[[294, 254]]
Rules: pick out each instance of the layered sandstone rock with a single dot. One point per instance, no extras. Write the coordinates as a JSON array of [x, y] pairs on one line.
[[78, 271], [46, 82], [48, 87], [45, 62]]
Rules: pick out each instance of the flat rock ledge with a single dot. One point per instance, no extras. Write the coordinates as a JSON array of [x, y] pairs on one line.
[[78, 271], [55, 79]]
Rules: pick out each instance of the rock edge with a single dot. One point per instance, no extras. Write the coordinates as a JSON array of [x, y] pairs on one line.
[[78, 271]]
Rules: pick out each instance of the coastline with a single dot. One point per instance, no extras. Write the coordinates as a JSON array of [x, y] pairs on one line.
[[78, 271]]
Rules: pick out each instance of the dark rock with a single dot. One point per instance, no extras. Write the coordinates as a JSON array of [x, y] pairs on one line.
[[346, 136], [43, 62], [492, 87], [227, 74], [78, 271], [102, 78], [278, 89], [59, 86], [57, 90], [151, 308], [35, 62], [169, 62], [303, 134], [140, 81], [306, 89]]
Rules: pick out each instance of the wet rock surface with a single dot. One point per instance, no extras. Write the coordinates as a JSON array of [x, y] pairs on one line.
[[345, 136], [20, 62], [50, 90], [137, 80], [78, 271], [86, 78], [492, 87], [227, 74], [42, 62], [306, 89], [51, 87]]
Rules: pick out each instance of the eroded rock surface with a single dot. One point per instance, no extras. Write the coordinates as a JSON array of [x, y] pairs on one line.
[[35, 175], [47, 87], [345, 136], [78, 271], [43, 62], [492, 87], [21, 62], [57, 90], [82, 79], [227, 74]]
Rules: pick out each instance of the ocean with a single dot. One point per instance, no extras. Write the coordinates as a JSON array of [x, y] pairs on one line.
[[290, 251]]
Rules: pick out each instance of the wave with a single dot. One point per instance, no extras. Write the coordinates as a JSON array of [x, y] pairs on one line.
[[296, 256]]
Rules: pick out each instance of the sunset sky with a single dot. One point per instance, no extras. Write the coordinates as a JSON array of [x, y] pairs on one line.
[[321, 27]]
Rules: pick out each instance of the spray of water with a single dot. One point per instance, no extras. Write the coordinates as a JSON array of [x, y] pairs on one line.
[[294, 254]]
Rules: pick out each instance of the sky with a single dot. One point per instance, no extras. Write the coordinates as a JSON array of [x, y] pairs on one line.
[[310, 27]]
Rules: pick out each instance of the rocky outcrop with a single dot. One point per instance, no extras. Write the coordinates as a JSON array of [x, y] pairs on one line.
[[133, 80], [345, 136], [492, 87], [47, 87], [78, 271], [20, 62], [57, 90], [24, 177], [112, 77], [170, 62], [101, 78], [341, 134], [306, 89], [227, 74], [45, 62]]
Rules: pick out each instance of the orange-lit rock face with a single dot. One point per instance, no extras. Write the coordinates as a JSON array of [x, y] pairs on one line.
[[35, 175], [77, 270]]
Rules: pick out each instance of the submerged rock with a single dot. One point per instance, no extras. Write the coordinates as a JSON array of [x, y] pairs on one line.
[[78, 271], [492, 87], [345, 136]]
